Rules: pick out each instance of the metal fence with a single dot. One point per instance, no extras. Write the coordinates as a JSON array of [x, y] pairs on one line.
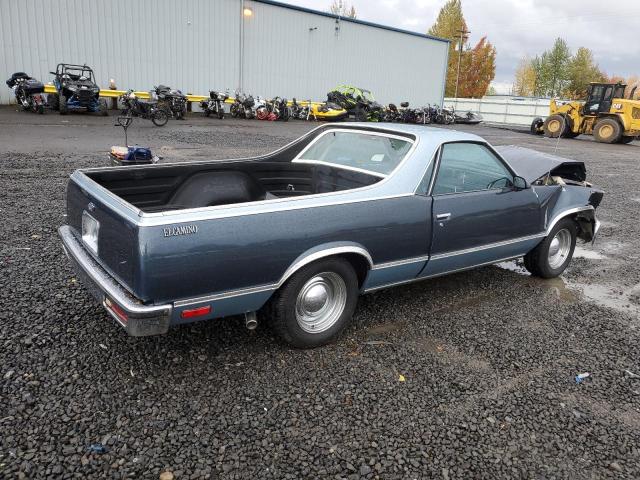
[[510, 111]]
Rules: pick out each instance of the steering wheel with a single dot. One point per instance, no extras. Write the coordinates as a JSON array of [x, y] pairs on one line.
[[490, 185]]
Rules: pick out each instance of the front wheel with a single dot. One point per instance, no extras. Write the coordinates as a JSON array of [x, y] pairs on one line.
[[554, 126], [40, 109], [316, 303], [553, 255], [536, 126], [220, 113], [159, 117]]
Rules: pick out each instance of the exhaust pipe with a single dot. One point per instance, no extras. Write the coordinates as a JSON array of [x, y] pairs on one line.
[[250, 320]]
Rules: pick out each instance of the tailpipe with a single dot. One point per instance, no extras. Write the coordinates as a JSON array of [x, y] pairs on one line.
[[250, 320]]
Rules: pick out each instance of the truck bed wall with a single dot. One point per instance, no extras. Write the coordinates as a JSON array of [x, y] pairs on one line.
[[149, 188]]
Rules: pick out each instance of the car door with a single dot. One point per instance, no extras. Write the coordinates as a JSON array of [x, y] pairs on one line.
[[478, 216]]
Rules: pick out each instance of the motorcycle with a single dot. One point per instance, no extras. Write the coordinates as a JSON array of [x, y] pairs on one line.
[[242, 106], [133, 107], [28, 92], [423, 115], [391, 113], [274, 109], [174, 102], [214, 104], [300, 112], [444, 116]]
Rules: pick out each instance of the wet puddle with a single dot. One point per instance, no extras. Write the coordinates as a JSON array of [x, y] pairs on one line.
[[621, 299], [583, 252]]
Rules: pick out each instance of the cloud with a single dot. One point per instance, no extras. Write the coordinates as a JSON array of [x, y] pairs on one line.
[[518, 28]]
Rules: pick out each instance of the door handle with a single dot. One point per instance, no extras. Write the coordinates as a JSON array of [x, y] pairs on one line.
[[443, 216]]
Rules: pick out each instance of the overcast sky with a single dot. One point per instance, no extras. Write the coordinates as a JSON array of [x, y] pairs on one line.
[[524, 27]]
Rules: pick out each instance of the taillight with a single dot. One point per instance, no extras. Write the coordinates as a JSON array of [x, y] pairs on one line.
[[196, 312], [116, 309]]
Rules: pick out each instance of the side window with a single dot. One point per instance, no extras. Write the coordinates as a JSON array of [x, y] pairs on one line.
[[608, 94], [423, 188], [469, 167]]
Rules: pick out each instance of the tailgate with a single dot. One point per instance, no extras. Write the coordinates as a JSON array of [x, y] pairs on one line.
[[117, 236]]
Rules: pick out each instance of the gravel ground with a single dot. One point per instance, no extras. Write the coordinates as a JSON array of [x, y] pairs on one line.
[[467, 376]]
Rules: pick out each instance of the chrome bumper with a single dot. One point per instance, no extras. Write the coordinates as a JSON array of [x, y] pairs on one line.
[[136, 318]]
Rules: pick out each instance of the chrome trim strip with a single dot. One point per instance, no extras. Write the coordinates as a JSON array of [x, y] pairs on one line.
[[566, 213], [225, 295], [488, 246], [274, 286], [398, 263], [322, 254], [417, 279]]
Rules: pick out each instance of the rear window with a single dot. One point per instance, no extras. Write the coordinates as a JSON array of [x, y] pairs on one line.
[[373, 153]]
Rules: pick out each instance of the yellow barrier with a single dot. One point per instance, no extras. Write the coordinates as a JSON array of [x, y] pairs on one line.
[[190, 98]]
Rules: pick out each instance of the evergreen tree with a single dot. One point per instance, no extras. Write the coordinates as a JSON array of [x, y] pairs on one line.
[[582, 69]]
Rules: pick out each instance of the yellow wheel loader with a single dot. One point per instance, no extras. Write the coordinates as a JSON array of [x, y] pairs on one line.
[[605, 114]]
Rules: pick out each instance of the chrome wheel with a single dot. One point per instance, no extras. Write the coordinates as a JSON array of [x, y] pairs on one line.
[[320, 302], [559, 248]]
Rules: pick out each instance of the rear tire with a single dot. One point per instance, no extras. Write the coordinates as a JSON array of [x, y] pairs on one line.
[[554, 126], [552, 256], [159, 117], [53, 101], [607, 130], [63, 105], [316, 303], [103, 107]]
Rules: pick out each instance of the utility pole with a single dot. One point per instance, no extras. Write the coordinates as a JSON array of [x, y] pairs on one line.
[[462, 32]]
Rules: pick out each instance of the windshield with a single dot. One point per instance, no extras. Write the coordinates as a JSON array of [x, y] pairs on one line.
[[377, 154]]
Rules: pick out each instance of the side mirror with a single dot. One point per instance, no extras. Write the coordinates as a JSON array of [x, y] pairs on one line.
[[519, 183]]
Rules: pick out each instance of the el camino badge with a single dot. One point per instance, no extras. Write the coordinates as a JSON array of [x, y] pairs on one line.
[[181, 230]]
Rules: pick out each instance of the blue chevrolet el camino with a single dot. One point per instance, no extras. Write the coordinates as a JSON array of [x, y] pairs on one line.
[[296, 235]]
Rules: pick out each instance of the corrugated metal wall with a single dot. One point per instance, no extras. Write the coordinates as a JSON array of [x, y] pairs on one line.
[[194, 45]]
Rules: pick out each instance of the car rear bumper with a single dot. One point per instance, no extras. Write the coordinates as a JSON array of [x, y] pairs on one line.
[[135, 317]]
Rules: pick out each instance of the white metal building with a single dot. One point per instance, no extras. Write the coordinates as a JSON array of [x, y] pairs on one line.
[[264, 47]]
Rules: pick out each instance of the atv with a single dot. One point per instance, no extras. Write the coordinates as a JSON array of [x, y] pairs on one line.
[[358, 101], [76, 90]]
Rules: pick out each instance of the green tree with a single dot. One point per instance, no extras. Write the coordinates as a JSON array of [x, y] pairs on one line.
[[555, 68], [448, 25], [581, 70], [340, 7]]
